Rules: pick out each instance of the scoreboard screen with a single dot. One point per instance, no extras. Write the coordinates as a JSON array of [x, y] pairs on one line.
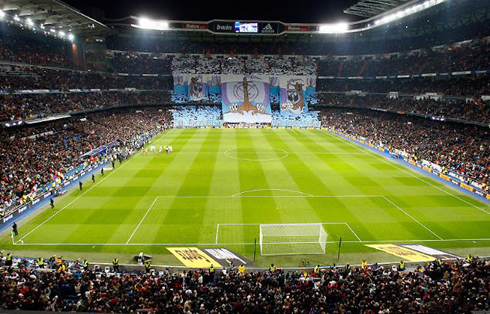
[[246, 27]]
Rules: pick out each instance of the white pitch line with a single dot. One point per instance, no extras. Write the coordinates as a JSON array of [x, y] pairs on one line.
[[67, 205], [290, 152], [93, 186], [246, 243], [306, 223], [270, 196], [383, 159], [217, 232], [351, 230], [260, 190], [142, 219], [403, 211]]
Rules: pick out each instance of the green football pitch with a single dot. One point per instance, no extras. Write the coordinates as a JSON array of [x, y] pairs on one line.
[[219, 185]]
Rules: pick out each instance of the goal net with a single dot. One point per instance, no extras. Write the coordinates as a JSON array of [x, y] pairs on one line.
[[292, 239]]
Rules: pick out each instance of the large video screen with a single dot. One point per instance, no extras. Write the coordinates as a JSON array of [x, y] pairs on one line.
[[246, 27]]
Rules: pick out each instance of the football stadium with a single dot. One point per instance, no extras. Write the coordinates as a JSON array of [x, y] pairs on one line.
[[252, 164]]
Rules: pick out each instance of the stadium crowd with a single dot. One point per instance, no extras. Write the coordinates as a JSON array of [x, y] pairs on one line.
[[240, 66], [474, 110], [29, 50], [451, 59], [463, 149], [24, 78], [35, 106], [465, 86], [126, 62], [33, 156], [437, 287]]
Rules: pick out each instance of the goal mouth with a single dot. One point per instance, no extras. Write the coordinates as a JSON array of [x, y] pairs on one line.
[[292, 239]]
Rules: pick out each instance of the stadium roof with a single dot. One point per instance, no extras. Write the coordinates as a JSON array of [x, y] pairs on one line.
[[54, 14], [370, 8]]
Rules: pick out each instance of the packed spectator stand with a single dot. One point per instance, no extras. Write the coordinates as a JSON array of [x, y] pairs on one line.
[[454, 146], [436, 287], [469, 110], [34, 156]]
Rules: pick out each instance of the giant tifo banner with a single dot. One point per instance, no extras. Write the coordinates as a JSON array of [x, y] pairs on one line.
[[194, 86], [245, 99], [295, 91]]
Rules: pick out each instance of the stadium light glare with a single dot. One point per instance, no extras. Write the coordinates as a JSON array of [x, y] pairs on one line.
[[337, 28], [147, 23], [62, 34], [408, 11], [29, 22], [2, 14], [16, 18], [71, 37]]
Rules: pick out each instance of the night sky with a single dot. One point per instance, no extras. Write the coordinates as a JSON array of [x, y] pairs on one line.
[[292, 11]]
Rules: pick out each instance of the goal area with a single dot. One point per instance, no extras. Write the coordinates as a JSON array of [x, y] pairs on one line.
[[292, 239]]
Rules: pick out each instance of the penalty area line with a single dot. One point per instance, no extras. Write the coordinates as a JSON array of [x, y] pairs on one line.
[[411, 217], [142, 219]]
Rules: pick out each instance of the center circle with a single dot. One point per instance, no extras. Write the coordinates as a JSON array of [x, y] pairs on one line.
[[252, 153]]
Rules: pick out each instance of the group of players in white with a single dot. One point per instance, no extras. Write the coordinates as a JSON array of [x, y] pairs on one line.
[[153, 149]]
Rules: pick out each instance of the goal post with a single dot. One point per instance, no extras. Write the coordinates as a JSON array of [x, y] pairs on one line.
[[292, 239]]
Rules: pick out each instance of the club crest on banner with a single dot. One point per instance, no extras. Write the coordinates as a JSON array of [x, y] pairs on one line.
[[245, 99], [294, 94]]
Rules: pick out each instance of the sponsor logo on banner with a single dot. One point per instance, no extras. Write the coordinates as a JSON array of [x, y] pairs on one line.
[[35, 201], [455, 181], [297, 28], [8, 218], [467, 187], [193, 257], [66, 183], [22, 209], [404, 253], [429, 251], [268, 29], [427, 168], [47, 194], [194, 26], [488, 196], [445, 177], [225, 256], [224, 27], [479, 193]]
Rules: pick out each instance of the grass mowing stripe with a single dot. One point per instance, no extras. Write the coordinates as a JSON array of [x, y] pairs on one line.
[[142, 219], [167, 166], [252, 176], [197, 181], [73, 201], [302, 168], [407, 172], [411, 217]]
